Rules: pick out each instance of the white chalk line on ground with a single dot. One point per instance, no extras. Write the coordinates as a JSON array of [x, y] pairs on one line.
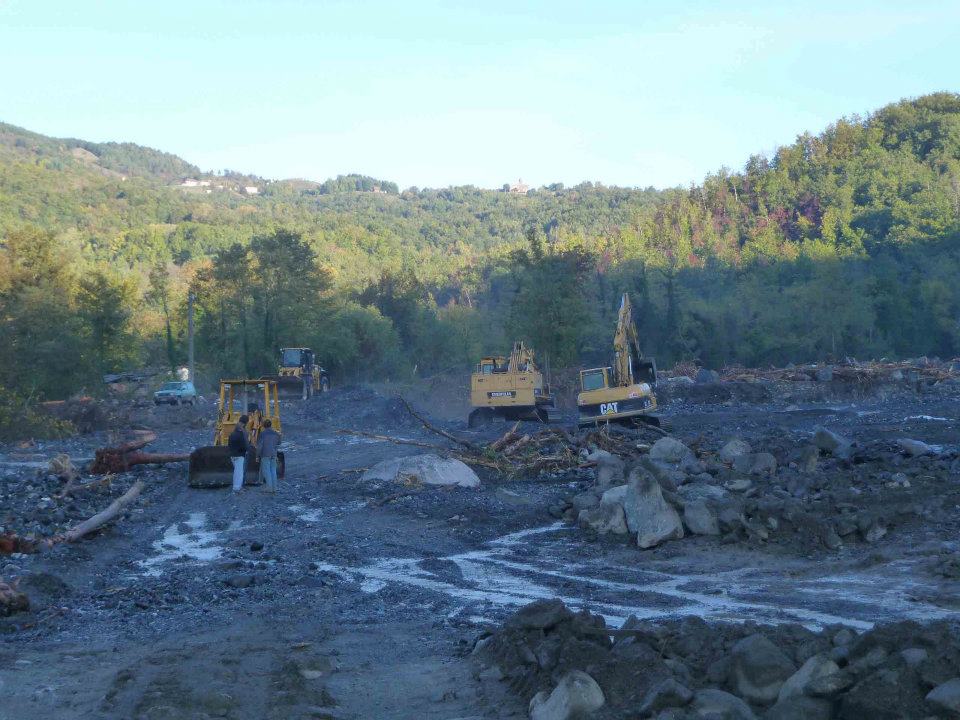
[[511, 573]]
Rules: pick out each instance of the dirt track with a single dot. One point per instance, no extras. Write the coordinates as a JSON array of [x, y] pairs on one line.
[[360, 610]]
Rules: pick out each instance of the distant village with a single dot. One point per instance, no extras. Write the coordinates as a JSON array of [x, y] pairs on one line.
[[192, 184]]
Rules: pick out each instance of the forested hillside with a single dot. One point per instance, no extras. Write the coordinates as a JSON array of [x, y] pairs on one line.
[[842, 243]]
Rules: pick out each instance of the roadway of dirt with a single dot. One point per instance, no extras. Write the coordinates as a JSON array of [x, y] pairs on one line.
[[338, 598]]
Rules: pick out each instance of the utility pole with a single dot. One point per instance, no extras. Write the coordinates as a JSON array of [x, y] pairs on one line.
[[190, 297]]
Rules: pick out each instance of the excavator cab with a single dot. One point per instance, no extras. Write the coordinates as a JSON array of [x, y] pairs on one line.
[[210, 466]]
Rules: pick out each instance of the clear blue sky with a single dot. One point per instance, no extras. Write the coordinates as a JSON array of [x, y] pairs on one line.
[[440, 93]]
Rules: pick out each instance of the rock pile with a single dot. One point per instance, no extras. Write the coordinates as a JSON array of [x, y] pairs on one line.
[[572, 665], [822, 493]]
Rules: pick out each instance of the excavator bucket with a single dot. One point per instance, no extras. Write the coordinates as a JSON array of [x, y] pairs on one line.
[[211, 467]]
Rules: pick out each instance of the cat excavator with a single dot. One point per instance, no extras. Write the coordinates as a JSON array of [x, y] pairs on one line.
[[622, 393]]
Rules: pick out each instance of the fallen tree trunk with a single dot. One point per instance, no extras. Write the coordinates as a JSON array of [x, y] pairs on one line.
[[122, 457], [443, 433], [105, 516]]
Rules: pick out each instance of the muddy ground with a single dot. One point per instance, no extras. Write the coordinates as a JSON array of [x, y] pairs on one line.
[[340, 598]]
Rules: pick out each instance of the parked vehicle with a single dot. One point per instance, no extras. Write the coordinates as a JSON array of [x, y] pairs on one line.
[[176, 393]]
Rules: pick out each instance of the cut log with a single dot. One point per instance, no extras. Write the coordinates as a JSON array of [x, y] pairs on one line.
[[105, 516]]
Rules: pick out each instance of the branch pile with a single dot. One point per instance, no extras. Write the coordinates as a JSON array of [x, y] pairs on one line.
[[552, 449]]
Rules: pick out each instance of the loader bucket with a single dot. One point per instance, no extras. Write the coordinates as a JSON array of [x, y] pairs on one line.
[[211, 467]]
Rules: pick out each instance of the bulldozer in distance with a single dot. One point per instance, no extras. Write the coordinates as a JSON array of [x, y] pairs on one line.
[[624, 392], [210, 466], [511, 388]]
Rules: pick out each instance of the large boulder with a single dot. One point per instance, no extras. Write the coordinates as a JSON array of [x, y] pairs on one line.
[[701, 491], [945, 697], [816, 667], [700, 519], [759, 669], [608, 518], [830, 442], [648, 514], [539, 615], [670, 450], [666, 694], [610, 471], [734, 449], [424, 469], [719, 705], [614, 496], [915, 448], [577, 695]]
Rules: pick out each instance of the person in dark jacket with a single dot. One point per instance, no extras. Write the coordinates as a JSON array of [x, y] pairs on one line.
[[237, 443], [267, 445]]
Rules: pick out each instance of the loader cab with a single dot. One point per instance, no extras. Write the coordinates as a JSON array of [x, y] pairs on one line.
[[296, 358]]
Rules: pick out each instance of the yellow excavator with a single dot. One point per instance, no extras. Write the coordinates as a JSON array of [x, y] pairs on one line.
[[299, 375], [622, 393], [511, 388], [210, 466]]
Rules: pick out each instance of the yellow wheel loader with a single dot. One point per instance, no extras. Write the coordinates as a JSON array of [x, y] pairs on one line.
[[299, 375], [210, 466], [511, 388], [623, 392]]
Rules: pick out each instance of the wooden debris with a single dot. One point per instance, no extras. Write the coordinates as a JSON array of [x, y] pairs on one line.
[[12, 600], [122, 457], [105, 516]]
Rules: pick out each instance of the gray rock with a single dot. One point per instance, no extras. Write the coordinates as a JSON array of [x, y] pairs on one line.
[[759, 669], [577, 695], [756, 464], [648, 514], [701, 491], [539, 615], [913, 656], [670, 450], [610, 471], [828, 686], [734, 449], [831, 442], [816, 667], [946, 697], [915, 448], [666, 694], [614, 496], [799, 707], [700, 519], [707, 377], [585, 501], [884, 695], [608, 518], [426, 469], [719, 705], [824, 374]]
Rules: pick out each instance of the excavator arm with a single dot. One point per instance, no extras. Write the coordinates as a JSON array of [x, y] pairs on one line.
[[629, 365]]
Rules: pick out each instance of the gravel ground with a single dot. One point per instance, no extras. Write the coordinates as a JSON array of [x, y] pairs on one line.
[[342, 598]]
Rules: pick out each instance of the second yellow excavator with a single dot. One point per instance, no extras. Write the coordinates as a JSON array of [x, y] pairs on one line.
[[623, 392]]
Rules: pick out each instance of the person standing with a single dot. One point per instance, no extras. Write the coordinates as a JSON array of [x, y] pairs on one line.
[[237, 443], [267, 446]]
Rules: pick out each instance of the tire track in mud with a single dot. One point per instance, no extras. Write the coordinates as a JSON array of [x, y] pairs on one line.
[[532, 564]]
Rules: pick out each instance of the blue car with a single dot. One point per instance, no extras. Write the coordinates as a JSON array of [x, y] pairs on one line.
[[176, 393]]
